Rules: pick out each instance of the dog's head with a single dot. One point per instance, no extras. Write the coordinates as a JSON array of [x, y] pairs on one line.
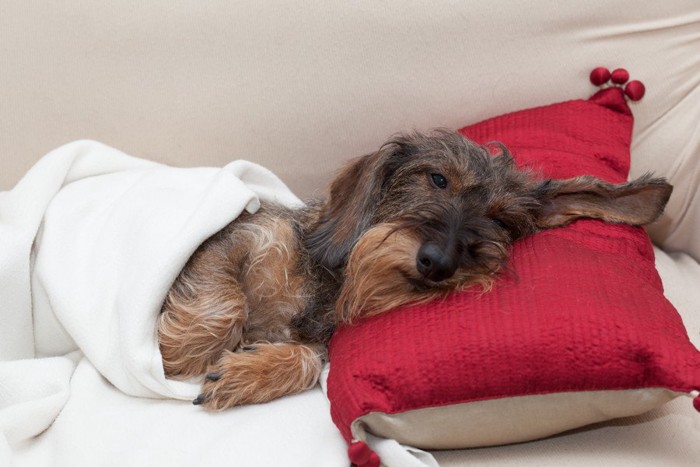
[[431, 213]]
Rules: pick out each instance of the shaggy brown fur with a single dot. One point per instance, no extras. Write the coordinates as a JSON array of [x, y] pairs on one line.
[[424, 215]]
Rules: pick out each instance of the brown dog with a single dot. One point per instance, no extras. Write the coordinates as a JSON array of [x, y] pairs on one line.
[[255, 306]]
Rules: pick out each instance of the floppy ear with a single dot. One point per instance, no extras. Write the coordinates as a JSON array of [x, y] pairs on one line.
[[638, 202], [354, 196]]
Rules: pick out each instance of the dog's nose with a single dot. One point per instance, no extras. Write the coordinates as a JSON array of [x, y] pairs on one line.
[[434, 263]]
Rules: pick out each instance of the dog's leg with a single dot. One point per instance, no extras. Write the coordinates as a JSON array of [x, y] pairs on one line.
[[203, 314], [259, 373]]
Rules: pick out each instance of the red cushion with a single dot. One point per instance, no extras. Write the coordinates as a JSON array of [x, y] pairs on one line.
[[581, 308]]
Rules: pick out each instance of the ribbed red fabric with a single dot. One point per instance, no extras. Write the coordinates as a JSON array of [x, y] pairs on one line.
[[581, 308]]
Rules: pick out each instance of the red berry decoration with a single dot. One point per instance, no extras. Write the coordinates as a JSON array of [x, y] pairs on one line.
[[635, 90], [374, 461], [359, 453], [600, 76], [620, 76]]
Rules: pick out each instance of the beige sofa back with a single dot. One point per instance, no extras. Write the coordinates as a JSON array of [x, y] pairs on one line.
[[301, 87]]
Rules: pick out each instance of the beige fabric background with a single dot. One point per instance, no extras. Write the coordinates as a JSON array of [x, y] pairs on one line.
[[301, 87]]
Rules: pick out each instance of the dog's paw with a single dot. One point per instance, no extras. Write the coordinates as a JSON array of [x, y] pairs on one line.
[[259, 373], [232, 381]]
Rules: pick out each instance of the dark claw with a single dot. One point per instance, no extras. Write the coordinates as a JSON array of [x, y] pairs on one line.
[[216, 376], [200, 399], [248, 348]]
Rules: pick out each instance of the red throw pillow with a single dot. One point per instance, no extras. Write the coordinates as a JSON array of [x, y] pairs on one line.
[[576, 331]]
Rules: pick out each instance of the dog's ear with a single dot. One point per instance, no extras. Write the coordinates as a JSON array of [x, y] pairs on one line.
[[638, 202], [354, 196]]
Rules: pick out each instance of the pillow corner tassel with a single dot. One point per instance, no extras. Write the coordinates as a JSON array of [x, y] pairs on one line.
[[620, 89], [361, 455], [695, 394]]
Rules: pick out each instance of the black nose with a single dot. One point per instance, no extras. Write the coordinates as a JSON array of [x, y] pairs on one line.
[[434, 263]]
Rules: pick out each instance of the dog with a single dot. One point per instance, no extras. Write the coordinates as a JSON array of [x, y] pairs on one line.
[[426, 214]]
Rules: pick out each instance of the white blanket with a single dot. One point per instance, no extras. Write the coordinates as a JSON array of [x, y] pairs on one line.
[[90, 241]]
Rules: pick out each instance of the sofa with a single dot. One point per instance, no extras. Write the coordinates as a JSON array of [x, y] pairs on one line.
[[300, 88]]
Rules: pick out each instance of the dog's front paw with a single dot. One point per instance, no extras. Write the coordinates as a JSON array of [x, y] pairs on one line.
[[232, 381], [211, 396], [259, 373]]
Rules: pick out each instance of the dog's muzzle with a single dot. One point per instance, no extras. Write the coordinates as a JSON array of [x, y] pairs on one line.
[[434, 263]]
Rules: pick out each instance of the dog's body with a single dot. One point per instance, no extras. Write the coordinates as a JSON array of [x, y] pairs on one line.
[[251, 287], [256, 304]]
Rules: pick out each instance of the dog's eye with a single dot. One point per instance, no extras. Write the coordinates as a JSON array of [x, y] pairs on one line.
[[439, 180], [500, 223]]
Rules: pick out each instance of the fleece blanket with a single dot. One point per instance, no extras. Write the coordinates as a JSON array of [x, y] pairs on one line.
[[90, 241]]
